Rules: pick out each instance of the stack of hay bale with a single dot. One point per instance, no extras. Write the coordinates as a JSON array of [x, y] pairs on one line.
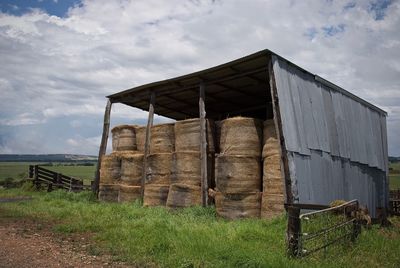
[[273, 183], [159, 165], [238, 168], [185, 189], [121, 171]]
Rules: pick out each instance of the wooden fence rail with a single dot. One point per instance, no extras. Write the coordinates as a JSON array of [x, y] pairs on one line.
[[54, 180]]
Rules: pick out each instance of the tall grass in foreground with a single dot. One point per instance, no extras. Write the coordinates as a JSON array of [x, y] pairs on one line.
[[192, 237]]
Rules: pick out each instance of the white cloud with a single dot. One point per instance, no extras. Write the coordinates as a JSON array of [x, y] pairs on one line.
[[53, 67]]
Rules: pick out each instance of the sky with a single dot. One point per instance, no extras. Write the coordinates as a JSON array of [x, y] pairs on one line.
[[59, 59]]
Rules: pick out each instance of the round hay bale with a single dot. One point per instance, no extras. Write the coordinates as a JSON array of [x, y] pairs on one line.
[[129, 193], [108, 192], [187, 135], [124, 138], [238, 205], [140, 138], [110, 170], [273, 185], [155, 195], [237, 173], [272, 167], [186, 168], [132, 169], [162, 139], [159, 168], [271, 145], [182, 195], [272, 205], [241, 136]]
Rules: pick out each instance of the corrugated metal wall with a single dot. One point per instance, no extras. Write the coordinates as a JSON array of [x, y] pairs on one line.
[[337, 146]]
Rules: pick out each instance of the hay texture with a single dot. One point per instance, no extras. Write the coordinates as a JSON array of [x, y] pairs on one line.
[[271, 144], [187, 135], [238, 174], [273, 182], [162, 139], [272, 205], [124, 138], [140, 138], [238, 205], [132, 169], [241, 136], [159, 168], [110, 170], [129, 193], [108, 192], [182, 195], [187, 168], [155, 195]]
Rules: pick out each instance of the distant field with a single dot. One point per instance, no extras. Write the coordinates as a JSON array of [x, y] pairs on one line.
[[19, 170], [394, 175]]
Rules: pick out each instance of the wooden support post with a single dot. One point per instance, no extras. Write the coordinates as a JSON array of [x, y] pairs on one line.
[[203, 147], [293, 231], [147, 140], [103, 146], [279, 132]]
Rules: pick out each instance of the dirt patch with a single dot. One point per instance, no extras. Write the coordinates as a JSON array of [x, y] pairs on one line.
[[26, 243]]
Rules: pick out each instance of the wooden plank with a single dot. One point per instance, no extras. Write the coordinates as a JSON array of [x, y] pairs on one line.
[[279, 132], [147, 140], [103, 146], [203, 147]]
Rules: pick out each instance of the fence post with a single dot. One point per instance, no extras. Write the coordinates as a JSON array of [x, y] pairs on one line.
[[36, 177], [31, 171], [293, 231]]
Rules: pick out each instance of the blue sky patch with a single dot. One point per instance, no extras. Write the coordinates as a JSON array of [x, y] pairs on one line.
[[378, 8], [52, 7], [310, 33], [333, 30]]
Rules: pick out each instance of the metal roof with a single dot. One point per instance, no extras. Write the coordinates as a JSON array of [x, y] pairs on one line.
[[236, 87]]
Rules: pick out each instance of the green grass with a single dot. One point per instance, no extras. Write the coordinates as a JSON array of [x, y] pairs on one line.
[[192, 237], [19, 170]]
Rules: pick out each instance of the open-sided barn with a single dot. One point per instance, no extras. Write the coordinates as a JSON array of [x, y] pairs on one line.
[[333, 143]]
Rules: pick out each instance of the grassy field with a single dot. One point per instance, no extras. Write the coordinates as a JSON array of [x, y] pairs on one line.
[[394, 175], [19, 170], [192, 237]]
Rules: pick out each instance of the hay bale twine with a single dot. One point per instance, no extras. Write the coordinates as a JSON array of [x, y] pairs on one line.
[[182, 195], [108, 192], [162, 139], [187, 135], [238, 205], [132, 169], [110, 170], [237, 173], [271, 144], [140, 138], [155, 195], [241, 136], [159, 168], [129, 193], [272, 205], [124, 138]]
